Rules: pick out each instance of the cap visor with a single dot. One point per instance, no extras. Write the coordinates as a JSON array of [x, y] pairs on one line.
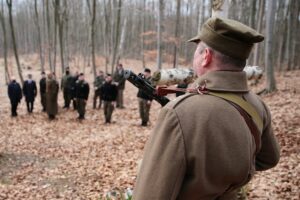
[[194, 39]]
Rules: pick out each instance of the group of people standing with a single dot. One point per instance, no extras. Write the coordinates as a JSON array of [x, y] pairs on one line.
[[108, 91]]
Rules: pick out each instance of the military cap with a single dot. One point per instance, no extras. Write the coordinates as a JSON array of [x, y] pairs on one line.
[[147, 70], [229, 37]]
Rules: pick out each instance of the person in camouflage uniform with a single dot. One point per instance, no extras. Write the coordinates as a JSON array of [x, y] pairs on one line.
[[99, 81], [144, 100], [66, 84], [82, 94], [109, 93], [119, 79]]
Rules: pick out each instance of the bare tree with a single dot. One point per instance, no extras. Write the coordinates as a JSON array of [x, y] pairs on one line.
[[159, 32], [116, 36], [259, 27], [2, 19], [14, 42], [49, 36], [39, 34], [177, 25], [271, 83], [92, 31]]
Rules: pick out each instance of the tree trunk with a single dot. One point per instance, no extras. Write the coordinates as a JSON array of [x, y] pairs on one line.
[[56, 24], [61, 21], [295, 34], [271, 83], [39, 35], [116, 34], [122, 40], [14, 42], [2, 19], [175, 59], [159, 33], [49, 36], [142, 35], [259, 27], [93, 18]]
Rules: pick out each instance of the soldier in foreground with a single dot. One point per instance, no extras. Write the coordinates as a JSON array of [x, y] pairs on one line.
[[205, 144], [119, 79], [99, 81], [82, 95], [109, 93], [30, 92], [43, 91], [51, 96], [15, 95], [144, 100]]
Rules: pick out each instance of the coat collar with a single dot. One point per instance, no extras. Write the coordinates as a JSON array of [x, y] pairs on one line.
[[226, 81]]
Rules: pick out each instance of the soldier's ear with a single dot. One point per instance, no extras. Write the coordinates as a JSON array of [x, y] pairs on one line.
[[207, 57]]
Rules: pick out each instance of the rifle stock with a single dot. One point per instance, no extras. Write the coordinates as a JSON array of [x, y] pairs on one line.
[[140, 82]]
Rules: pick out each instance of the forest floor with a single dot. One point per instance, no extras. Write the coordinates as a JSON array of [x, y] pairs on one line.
[[68, 159]]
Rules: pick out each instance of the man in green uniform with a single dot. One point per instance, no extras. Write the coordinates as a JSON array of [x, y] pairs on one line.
[[51, 95], [119, 80], [109, 93], [208, 144], [99, 81], [82, 94], [66, 84], [144, 100]]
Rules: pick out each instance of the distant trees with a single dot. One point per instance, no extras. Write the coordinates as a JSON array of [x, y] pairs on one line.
[[149, 30], [13, 37]]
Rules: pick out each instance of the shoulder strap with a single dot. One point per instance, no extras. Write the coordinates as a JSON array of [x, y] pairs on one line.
[[248, 112], [243, 104]]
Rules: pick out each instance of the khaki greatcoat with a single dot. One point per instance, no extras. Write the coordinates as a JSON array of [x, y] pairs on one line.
[[201, 147], [51, 96]]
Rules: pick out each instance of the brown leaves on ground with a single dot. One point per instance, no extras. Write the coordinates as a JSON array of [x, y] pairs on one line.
[[68, 159]]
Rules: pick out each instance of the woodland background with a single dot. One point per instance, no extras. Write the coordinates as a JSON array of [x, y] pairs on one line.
[[65, 159]]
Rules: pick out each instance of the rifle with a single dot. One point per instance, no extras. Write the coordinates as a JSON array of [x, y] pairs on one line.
[[141, 83]]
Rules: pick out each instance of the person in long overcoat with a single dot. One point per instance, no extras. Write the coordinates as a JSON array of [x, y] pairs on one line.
[[208, 144], [30, 92], [51, 96], [43, 91], [15, 95]]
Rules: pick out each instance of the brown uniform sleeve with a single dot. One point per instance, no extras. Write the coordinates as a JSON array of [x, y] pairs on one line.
[[269, 154], [164, 163]]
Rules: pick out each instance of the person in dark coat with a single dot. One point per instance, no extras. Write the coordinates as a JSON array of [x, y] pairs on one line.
[[73, 88], [119, 79], [144, 100], [51, 96], [15, 95], [43, 91], [30, 92], [109, 94], [82, 94]]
